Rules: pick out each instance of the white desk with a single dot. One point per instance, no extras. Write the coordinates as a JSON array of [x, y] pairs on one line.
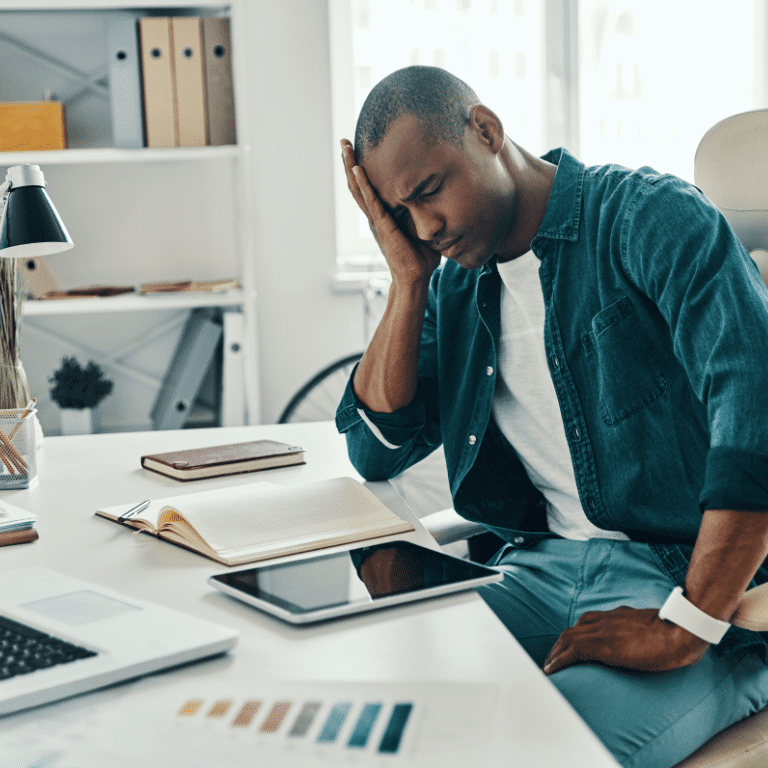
[[455, 638]]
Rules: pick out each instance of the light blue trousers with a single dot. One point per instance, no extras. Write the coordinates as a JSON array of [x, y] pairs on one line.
[[648, 720]]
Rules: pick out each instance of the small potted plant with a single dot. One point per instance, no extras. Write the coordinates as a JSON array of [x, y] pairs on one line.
[[77, 390]]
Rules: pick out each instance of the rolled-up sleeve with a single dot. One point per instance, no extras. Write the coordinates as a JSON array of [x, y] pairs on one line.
[[382, 445]]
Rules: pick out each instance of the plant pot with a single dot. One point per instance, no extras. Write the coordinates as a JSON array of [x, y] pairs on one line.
[[76, 421]]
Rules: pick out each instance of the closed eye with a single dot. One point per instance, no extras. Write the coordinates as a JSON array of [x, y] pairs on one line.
[[433, 192]]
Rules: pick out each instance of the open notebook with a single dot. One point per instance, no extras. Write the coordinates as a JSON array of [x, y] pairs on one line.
[[257, 521]]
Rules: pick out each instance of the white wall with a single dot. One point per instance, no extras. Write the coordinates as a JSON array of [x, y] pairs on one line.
[[302, 324]]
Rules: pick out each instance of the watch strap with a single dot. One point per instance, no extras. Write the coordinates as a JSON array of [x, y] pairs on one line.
[[685, 614]]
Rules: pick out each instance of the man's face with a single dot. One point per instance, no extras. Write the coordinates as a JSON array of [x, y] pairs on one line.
[[457, 199]]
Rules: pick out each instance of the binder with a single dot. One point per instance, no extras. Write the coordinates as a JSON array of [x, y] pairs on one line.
[[187, 41], [125, 82], [219, 89], [160, 122], [191, 360]]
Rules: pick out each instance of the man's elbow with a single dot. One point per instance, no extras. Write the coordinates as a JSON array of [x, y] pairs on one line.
[[372, 460]]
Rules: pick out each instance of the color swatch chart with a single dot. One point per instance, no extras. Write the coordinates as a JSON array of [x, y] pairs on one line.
[[291, 725], [373, 725]]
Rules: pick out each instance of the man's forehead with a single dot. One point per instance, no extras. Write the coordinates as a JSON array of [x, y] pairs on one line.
[[403, 158]]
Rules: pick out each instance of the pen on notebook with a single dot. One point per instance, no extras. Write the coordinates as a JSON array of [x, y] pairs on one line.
[[140, 507]]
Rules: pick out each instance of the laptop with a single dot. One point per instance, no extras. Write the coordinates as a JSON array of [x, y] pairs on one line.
[[60, 636]]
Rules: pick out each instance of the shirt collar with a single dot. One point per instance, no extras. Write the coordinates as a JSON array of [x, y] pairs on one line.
[[561, 219]]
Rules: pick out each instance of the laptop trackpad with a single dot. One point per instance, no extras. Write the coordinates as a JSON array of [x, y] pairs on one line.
[[79, 608]]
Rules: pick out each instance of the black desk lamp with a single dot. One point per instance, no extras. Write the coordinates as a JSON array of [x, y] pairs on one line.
[[29, 227]]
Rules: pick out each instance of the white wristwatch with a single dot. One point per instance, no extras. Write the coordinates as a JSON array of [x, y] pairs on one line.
[[685, 614]]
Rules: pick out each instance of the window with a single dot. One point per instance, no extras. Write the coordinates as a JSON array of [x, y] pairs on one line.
[[611, 80], [655, 76]]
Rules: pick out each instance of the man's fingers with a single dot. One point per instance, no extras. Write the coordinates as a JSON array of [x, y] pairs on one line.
[[560, 646], [590, 617], [348, 158], [561, 661], [375, 207]]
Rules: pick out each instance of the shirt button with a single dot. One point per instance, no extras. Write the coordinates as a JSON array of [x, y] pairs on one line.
[[489, 370], [472, 439], [576, 433], [555, 362], [519, 540]]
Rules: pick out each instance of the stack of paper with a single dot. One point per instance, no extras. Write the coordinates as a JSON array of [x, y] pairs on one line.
[[16, 525]]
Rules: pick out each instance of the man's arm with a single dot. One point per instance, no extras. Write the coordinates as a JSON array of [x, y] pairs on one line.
[[716, 324], [387, 375], [729, 549]]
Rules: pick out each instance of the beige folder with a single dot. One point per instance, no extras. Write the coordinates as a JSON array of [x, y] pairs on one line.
[[220, 97], [160, 122], [187, 36]]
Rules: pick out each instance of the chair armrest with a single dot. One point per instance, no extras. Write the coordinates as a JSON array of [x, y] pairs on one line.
[[448, 526], [752, 612]]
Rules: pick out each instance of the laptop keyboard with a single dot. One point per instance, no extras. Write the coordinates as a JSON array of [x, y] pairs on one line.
[[24, 650]]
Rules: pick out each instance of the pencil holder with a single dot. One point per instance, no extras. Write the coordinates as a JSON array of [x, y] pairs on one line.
[[17, 449]]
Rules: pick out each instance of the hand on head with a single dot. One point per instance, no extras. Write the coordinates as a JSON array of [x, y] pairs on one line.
[[406, 257]]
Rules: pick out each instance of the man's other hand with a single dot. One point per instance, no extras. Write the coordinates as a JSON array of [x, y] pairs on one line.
[[633, 639]]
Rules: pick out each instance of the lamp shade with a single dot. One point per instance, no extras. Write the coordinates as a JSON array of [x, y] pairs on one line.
[[30, 225]]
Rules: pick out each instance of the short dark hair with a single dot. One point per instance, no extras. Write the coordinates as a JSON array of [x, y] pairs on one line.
[[440, 100]]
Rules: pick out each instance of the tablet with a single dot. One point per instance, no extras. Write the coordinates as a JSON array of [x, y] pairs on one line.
[[354, 581]]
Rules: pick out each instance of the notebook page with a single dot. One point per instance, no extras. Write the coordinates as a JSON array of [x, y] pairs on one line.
[[259, 513]]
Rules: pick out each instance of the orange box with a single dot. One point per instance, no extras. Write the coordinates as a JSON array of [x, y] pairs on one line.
[[27, 126]]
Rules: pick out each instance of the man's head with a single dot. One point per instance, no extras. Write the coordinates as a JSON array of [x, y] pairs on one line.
[[438, 160], [438, 100]]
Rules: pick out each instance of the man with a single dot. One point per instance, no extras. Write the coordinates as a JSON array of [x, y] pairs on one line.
[[592, 354]]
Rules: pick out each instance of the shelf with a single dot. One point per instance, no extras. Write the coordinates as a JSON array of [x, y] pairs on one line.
[[109, 155], [133, 302], [182, 210], [78, 5]]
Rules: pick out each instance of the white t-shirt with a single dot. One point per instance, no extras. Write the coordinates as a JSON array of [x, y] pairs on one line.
[[525, 404]]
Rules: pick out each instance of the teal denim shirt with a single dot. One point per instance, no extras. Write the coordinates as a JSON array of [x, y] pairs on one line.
[[656, 334]]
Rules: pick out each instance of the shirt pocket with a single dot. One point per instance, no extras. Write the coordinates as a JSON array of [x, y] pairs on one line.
[[627, 375]]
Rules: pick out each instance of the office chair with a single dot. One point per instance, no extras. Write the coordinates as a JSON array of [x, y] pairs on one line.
[[731, 169]]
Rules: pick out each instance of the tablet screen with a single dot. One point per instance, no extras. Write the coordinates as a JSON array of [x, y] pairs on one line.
[[361, 575]]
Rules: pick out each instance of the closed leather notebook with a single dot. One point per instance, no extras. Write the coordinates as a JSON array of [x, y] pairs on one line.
[[198, 463], [18, 537]]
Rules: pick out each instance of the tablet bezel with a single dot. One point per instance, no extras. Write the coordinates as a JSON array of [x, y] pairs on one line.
[[486, 575]]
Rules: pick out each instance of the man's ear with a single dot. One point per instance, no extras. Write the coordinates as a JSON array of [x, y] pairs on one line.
[[487, 126]]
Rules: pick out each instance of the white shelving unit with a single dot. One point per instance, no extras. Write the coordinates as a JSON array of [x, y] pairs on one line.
[[136, 216]]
